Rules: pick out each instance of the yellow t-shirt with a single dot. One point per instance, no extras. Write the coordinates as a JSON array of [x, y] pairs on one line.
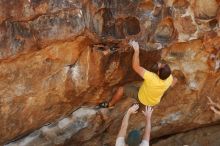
[[153, 88]]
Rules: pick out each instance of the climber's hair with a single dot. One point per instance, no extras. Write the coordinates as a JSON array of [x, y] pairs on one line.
[[164, 72], [154, 68]]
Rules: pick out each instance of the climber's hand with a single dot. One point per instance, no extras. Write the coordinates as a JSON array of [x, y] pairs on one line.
[[148, 112], [134, 44], [214, 110], [210, 101], [133, 109]]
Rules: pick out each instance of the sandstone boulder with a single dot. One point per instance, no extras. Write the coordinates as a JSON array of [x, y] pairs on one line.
[[57, 56], [165, 31], [203, 136], [205, 9]]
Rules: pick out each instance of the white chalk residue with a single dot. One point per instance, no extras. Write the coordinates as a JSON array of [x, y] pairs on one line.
[[75, 72], [19, 89], [193, 85]]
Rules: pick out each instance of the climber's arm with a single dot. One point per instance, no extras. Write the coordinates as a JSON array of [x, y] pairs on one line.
[[215, 110], [124, 125], [136, 65], [216, 105], [212, 103], [136, 61]]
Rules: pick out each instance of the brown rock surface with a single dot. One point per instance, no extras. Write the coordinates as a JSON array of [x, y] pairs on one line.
[[183, 107], [32, 86], [200, 137], [165, 31], [59, 55], [182, 4], [205, 9]]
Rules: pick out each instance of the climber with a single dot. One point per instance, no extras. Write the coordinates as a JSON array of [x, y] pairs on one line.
[[152, 89], [134, 138], [214, 106]]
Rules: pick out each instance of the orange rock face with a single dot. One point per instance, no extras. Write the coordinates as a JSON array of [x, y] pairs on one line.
[[203, 136], [33, 85], [58, 59], [205, 9]]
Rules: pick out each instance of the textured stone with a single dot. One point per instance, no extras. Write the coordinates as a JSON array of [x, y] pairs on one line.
[[32, 86], [174, 118], [57, 133], [205, 9], [58, 79], [179, 112], [199, 137], [182, 4], [146, 5], [185, 27], [165, 31], [59, 55]]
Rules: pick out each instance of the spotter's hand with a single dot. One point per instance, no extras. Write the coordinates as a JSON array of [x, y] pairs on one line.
[[133, 109]]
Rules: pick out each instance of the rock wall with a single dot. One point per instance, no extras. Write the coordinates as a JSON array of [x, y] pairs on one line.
[[203, 136], [59, 55]]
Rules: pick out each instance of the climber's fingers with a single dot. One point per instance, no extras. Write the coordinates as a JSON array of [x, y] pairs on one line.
[[148, 110], [210, 100], [213, 109], [134, 108]]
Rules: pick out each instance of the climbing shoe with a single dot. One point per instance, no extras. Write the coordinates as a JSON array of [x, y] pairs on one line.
[[103, 105]]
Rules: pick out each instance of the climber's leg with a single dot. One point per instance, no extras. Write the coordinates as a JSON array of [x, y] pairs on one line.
[[129, 90], [117, 96]]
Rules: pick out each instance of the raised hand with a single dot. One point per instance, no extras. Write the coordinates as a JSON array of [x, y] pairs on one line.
[[211, 103], [133, 109], [215, 110], [214, 106], [148, 112]]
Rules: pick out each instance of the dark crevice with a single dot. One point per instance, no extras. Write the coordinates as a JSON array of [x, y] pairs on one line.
[[132, 26]]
